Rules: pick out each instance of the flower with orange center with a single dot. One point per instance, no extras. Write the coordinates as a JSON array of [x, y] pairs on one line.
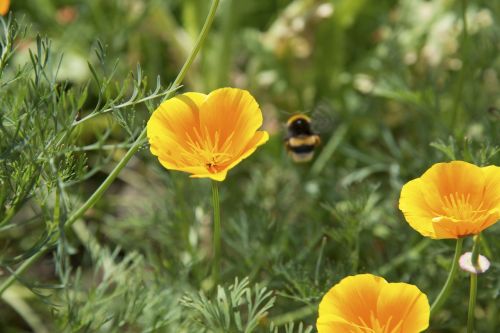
[[4, 6], [366, 303], [206, 135], [452, 200]]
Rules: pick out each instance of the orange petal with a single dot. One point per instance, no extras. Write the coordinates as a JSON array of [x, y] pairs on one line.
[[174, 121], [448, 228], [219, 176], [232, 113], [335, 324], [456, 177], [259, 138], [415, 207], [492, 186], [403, 307], [4, 6], [181, 166], [353, 299]]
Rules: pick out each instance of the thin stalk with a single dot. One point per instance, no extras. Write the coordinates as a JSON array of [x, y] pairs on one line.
[[443, 294], [472, 302], [217, 233], [464, 20], [228, 27], [21, 269], [464, 69], [294, 315], [320, 259], [129, 103], [475, 251], [15, 300], [91, 201], [7, 46], [403, 257], [473, 285]]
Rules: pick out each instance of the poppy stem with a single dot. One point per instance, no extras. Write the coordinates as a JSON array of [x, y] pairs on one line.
[[443, 294], [473, 285], [472, 302], [475, 251], [217, 233]]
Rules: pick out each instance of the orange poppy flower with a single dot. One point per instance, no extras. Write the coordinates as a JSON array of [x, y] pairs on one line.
[[206, 135], [452, 200], [366, 303], [4, 6]]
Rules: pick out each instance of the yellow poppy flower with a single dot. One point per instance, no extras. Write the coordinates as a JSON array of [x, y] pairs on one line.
[[4, 6], [452, 200], [206, 135], [366, 303]]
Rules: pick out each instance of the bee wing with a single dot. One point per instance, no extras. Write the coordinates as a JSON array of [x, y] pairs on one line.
[[322, 117]]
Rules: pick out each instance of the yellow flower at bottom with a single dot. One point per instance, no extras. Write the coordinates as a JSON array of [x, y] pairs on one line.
[[4, 6], [452, 200], [366, 303], [206, 135]]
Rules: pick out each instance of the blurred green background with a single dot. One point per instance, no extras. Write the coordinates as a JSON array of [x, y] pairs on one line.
[[392, 87]]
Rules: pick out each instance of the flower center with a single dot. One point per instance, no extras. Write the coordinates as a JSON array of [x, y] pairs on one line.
[[457, 208], [375, 326], [209, 150]]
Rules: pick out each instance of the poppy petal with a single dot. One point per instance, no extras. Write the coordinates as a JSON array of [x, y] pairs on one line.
[[353, 299], [415, 207], [492, 186], [175, 120], [403, 308], [456, 177], [219, 176], [233, 114], [259, 138], [4, 6], [335, 324]]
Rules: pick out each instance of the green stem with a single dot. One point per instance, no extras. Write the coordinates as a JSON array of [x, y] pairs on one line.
[[15, 299], [318, 263], [217, 233], [123, 162], [462, 75], [464, 20], [404, 257], [21, 269], [7, 44], [475, 251], [472, 302], [231, 11], [473, 285], [443, 294], [294, 315]]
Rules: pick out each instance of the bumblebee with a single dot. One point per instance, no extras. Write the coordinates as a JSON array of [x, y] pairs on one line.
[[301, 140]]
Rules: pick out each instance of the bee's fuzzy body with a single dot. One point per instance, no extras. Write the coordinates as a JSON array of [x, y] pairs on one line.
[[301, 141]]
